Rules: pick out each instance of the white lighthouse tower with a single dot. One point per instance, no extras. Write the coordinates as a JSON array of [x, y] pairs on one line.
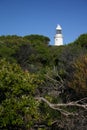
[[58, 37]]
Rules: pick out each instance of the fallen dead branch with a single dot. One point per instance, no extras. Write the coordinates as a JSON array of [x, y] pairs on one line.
[[79, 104]]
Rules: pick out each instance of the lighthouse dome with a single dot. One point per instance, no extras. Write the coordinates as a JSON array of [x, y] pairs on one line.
[[58, 27]]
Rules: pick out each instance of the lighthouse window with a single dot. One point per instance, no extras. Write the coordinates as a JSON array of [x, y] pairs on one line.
[[58, 31]]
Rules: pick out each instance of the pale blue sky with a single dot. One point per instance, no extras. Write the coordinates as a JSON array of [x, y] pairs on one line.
[[25, 17]]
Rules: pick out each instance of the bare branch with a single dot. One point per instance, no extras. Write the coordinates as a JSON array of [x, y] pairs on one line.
[[83, 100], [61, 110]]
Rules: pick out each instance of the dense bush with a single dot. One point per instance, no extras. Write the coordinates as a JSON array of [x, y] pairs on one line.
[[18, 108], [29, 68]]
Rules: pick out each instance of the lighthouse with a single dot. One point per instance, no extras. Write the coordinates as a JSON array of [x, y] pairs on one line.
[[58, 36]]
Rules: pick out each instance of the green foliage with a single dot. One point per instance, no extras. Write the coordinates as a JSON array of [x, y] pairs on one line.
[[17, 105], [25, 56], [12, 40], [9, 45], [48, 115], [36, 39], [44, 69], [40, 45], [34, 56], [43, 54], [82, 41]]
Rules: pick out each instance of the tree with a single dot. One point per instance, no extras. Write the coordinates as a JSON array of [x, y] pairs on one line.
[[81, 40], [35, 39], [9, 45]]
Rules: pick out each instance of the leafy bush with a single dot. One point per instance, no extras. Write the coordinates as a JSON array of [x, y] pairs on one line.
[[18, 108]]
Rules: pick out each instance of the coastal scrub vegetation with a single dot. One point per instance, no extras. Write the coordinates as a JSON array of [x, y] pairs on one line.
[[42, 87]]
